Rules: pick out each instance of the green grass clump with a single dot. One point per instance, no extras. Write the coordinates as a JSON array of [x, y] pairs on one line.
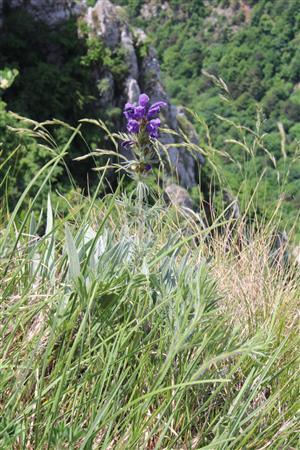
[[117, 332]]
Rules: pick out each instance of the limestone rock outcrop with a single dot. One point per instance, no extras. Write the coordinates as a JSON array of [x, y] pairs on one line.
[[106, 21], [50, 11]]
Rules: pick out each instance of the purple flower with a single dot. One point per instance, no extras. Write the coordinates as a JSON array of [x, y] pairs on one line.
[[155, 109], [139, 112], [143, 100], [129, 111], [140, 117], [133, 126], [152, 128]]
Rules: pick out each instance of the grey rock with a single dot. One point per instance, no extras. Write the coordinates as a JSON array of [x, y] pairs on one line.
[[279, 256], [104, 22], [184, 165], [131, 58], [178, 196], [50, 11], [132, 90], [140, 36], [150, 81], [189, 158]]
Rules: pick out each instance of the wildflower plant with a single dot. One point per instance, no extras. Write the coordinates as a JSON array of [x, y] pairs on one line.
[[138, 150], [143, 128]]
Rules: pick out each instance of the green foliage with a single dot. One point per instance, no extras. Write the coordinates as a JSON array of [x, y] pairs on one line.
[[259, 61], [109, 339], [115, 306], [20, 158], [50, 64], [7, 77], [133, 5], [54, 82], [100, 55]]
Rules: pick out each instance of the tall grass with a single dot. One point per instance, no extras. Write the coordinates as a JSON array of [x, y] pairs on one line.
[[116, 339]]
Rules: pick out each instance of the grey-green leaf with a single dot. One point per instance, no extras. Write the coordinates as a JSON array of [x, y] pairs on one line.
[[74, 264]]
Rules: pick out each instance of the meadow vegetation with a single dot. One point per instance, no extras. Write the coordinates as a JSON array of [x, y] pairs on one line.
[[126, 325]]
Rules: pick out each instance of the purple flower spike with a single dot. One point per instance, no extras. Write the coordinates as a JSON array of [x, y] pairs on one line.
[[133, 126], [129, 111], [155, 123], [152, 128], [139, 112], [155, 109], [142, 117], [143, 100], [159, 104]]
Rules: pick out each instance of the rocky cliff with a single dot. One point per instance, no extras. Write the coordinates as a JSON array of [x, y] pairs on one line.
[[107, 23]]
